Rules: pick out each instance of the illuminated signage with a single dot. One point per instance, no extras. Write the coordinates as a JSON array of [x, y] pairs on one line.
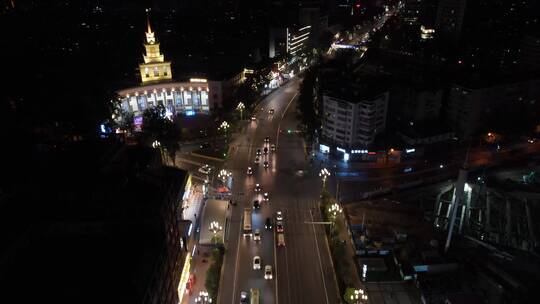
[[346, 156], [359, 151], [324, 148], [197, 80], [190, 113], [410, 150], [341, 150]]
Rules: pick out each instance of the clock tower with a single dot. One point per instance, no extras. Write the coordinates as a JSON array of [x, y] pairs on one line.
[[154, 68]]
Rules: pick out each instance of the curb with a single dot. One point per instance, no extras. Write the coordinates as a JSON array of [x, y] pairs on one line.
[[206, 156]]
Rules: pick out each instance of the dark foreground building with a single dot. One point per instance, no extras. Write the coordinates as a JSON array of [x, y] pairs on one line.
[[105, 227]]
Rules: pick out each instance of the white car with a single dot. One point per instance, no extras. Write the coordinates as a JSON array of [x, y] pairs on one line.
[[257, 160], [256, 262], [206, 169], [279, 215], [243, 297], [258, 188], [268, 272], [257, 235], [266, 197], [249, 171]]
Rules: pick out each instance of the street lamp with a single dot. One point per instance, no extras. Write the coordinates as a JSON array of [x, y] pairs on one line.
[[203, 298], [215, 228], [335, 209], [324, 174], [224, 175], [241, 108], [359, 296], [224, 126]]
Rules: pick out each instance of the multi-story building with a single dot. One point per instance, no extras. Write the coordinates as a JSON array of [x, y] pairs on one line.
[[530, 52], [450, 14], [353, 121], [117, 237], [196, 96], [470, 100]]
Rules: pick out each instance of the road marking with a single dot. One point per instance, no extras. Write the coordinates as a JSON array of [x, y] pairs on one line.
[[283, 115], [236, 262], [319, 255], [275, 263]]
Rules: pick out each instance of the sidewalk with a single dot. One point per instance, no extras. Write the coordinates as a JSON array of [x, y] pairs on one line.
[[200, 263]]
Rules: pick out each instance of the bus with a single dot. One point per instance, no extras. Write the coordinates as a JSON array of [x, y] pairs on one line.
[[254, 298], [247, 222]]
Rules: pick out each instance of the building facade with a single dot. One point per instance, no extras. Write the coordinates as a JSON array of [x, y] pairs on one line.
[[353, 124], [187, 98], [196, 96], [468, 102]]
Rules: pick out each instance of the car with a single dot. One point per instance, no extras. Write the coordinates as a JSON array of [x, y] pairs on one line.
[[244, 297], [266, 164], [407, 170], [257, 235], [266, 197], [531, 140], [249, 171], [267, 139], [273, 148], [268, 272], [256, 262], [256, 204], [271, 111], [258, 152], [257, 160], [265, 150], [204, 145], [253, 118], [280, 240], [206, 169], [279, 226], [279, 215], [258, 188], [268, 224]]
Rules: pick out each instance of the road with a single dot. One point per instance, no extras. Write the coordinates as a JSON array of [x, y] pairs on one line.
[[303, 272]]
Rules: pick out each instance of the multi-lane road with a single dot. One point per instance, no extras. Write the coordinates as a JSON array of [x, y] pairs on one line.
[[303, 272]]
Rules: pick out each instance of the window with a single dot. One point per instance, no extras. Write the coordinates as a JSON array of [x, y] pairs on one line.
[[156, 72], [165, 73]]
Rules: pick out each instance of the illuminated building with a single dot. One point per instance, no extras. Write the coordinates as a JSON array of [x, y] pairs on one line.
[[188, 98], [154, 68], [196, 96]]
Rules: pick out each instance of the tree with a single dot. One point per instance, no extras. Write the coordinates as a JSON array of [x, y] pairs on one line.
[[158, 127], [306, 105]]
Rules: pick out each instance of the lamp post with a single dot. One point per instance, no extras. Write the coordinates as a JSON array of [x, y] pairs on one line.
[[224, 175], [203, 298], [324, 174], [359, 296], [224, 126], [335, 209], [241, 108], [215, 228]]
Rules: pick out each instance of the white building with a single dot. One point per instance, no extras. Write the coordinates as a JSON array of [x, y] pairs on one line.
[[353, 123], [188, 98]]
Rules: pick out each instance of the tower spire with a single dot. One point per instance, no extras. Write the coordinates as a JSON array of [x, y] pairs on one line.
[[150, 38]]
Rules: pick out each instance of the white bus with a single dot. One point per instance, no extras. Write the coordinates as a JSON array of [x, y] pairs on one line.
[[247, 222]]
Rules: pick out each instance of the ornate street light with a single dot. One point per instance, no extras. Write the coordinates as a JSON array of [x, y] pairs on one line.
[[324, 174], [215, 228], [359, 296], [224, 175], [203, 298], [224, 126], [335, 209], [241, 108]]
